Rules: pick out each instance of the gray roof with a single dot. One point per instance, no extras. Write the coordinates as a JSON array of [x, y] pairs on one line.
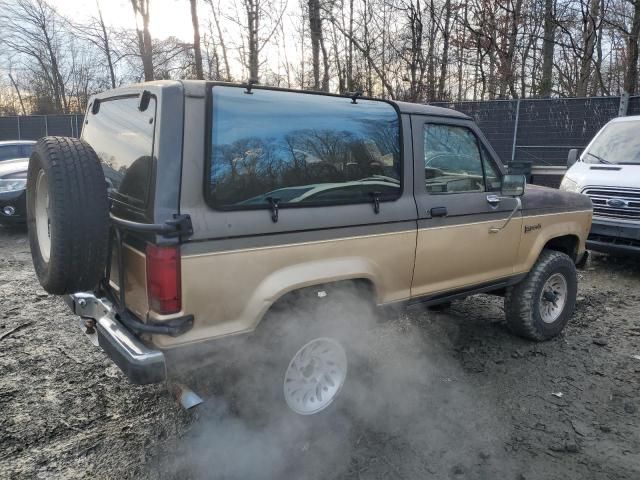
[[421, 109], [196, 88]]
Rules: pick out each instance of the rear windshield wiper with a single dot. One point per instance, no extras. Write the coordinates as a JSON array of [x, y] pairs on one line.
[[600, 159]]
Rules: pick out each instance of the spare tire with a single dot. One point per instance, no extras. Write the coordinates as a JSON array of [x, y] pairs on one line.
[[67, 215]]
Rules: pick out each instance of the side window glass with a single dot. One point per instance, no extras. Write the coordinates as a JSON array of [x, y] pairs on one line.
[[491, 173], [452, 161], [298, 149]]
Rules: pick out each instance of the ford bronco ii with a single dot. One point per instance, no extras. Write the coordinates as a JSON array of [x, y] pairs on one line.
[[188, 210]]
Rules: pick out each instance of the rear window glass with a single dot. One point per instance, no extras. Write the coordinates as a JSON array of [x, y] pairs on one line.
[[10, 152], [300, 149], [122, 136]]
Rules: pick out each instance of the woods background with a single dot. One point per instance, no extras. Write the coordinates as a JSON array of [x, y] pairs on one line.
[[415, 50]]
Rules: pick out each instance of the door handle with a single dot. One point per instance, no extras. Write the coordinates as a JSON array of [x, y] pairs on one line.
[[493, 200], [438, 212], [518, 206]]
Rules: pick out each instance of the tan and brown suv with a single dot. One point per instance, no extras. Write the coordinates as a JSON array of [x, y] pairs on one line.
[[222, 200]]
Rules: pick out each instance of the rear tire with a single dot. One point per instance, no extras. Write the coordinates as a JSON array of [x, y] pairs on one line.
[[67, 215], [314, 341], [540, 306]]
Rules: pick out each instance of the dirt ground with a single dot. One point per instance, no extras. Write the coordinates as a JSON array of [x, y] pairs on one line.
[[457, 397]]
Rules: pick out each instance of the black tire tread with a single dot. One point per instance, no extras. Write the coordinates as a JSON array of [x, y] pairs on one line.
[[78, 211], [520, 300]]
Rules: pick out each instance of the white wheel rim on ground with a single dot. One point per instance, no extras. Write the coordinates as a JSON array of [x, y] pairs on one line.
[[555, 286], [42, 215], [315, 376]]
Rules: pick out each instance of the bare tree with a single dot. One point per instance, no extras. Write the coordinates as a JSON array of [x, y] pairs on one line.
[[197, 52], [262, 18], [32, 28], [17, 88], [145, 45], [548, 46], [631, 71], [225, 57], [317, 45], [96, 32]]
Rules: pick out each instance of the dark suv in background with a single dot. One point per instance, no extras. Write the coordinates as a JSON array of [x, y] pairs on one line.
[[14, 160]]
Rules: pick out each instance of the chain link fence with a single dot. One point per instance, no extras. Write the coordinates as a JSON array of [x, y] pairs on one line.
[[32, 127], [539, 133], [536, 133]]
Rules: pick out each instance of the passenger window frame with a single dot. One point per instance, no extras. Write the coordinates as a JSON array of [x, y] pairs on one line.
[[479, 146], [208, 160]]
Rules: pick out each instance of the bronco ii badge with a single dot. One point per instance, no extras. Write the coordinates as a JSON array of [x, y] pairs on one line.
[[530, 228]]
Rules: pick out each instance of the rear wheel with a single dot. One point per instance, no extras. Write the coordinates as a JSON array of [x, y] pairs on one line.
[[305, 354], [67, 215], [539, 307]]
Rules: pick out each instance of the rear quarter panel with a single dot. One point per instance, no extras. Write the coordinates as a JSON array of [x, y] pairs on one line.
[[238, 263]]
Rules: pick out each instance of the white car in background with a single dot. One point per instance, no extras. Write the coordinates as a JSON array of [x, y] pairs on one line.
[[608, 171]]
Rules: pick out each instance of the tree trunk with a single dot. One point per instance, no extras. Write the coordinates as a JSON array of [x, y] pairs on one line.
[[340, 70], [223, 47], [325, 62], [107, 48], [491, 84], [431, 60], [509, 64], [315, 31], [197, 52], [548, 44], [141, 8], [253, 25], [631, 71], [15, 85], [446, 34], [589, 34], [58, 82], [350, 51]]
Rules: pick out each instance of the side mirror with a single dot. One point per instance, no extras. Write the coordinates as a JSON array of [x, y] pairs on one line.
[[572, 157], [513, 185]]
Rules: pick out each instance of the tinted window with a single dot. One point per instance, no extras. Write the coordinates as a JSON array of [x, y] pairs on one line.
[[452, 161], [9, 152], [122, 136], [301, 149]]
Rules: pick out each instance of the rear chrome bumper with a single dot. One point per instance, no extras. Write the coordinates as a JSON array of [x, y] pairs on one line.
[[141, 364]]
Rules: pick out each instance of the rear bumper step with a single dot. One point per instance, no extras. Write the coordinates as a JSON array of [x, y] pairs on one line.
[[141, 364]]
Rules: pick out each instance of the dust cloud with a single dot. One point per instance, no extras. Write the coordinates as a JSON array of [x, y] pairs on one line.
[[404, 391]]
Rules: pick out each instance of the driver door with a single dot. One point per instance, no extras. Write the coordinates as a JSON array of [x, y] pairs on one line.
[[457, 191]]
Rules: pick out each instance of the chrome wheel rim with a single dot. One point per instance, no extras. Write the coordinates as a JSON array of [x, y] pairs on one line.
[[43, 224], [553, 298], [315, 376]]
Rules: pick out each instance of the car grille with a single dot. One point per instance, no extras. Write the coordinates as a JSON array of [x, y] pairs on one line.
[[604, 201]]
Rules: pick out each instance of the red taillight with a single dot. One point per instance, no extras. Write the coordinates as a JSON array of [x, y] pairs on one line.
[[163, 279]]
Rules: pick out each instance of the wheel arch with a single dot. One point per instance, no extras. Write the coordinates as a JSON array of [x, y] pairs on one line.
[[360, 285], [567, 244]]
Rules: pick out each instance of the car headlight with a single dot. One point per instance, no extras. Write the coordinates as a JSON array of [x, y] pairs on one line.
[[12, 184], [569, 185]]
